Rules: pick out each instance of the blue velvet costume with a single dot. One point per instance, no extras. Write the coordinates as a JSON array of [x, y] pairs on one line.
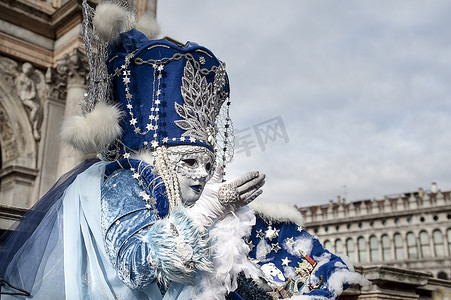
[[136, 238], [102, 240], [96, 247]]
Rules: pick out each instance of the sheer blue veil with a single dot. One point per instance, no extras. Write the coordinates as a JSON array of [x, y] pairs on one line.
[[41, 222]]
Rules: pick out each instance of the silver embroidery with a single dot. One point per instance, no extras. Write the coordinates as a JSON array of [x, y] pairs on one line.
[[202, 102]]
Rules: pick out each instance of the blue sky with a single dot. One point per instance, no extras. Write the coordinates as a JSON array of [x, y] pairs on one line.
[[363, 89]]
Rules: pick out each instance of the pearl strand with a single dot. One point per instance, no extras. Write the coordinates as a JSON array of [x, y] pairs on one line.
[[169, 178]]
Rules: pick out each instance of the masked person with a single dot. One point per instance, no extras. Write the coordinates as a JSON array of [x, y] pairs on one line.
[[155, 220]]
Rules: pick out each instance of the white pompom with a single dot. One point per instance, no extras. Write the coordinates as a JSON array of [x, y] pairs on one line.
[[110, 20], [92, 133], [148, 25]]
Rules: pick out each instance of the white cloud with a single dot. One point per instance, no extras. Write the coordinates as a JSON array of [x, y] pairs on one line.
[[362, 88]]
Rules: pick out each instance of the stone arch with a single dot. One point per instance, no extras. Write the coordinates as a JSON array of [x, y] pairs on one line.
[[439, 243], [374, 247], [18, 147], [338, 246], [362, 250], [412, 245], [399, 246], [425, 244], [350, 246], [387, 247]]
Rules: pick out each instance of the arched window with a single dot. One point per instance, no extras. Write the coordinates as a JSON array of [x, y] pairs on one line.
[[442, 275], [328, 245], [386, 248], [374, 249], [412, 249], [439, 248], [424, 244], [339, 247], [350, 249], [399, 246], [362, 250]]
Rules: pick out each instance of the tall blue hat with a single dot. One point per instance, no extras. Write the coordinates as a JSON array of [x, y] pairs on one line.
[[171, 94], [146, 93]]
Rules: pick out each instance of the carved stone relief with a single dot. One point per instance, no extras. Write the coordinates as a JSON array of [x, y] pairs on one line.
[[9, 70], [27, 83], [7, 136], [73, 68], [30, 88], [56, 84]]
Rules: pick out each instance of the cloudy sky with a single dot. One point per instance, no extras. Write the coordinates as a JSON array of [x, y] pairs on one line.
[[362, 90]]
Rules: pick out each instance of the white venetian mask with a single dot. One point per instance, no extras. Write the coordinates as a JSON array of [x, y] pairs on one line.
[[193, 166]]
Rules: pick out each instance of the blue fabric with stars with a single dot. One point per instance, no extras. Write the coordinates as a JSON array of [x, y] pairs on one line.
[[284, 239], [147, 82], [148, 175], [139, 240]]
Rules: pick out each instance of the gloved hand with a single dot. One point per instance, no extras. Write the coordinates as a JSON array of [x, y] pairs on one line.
[[218, 198]]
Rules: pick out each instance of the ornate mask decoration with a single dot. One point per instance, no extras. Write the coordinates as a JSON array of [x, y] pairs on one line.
[[193, 166]]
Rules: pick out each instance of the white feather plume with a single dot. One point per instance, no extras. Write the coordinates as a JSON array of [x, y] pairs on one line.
[[110, 20], [276, 211], [230, 256], [149, 26], [92, 133]]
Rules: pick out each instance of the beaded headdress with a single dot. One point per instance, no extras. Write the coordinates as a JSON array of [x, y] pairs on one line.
[[172, 95], [156, 92]]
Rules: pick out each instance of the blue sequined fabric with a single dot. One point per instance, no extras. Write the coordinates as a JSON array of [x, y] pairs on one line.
[[139, 233], [294, 260]]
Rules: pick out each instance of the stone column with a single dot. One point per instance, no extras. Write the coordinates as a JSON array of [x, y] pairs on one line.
[[406, 245], [391, 236], [369, 259], [447, 243], [146, 7], [380, 246], [74, 69], [49, 148]]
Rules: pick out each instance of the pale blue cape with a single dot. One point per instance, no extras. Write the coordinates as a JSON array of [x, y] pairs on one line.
[[73, 264]]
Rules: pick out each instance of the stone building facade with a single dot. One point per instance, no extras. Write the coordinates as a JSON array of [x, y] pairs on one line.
[[397, 237], [43, 73]]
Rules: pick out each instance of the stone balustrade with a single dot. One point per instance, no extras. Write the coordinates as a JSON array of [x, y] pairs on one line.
[[340, 209]]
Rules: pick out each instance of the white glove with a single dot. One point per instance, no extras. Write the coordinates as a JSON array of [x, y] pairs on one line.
[[218, 198]]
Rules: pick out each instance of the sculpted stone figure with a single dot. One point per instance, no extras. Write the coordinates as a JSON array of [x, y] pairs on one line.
[[27, 91]]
